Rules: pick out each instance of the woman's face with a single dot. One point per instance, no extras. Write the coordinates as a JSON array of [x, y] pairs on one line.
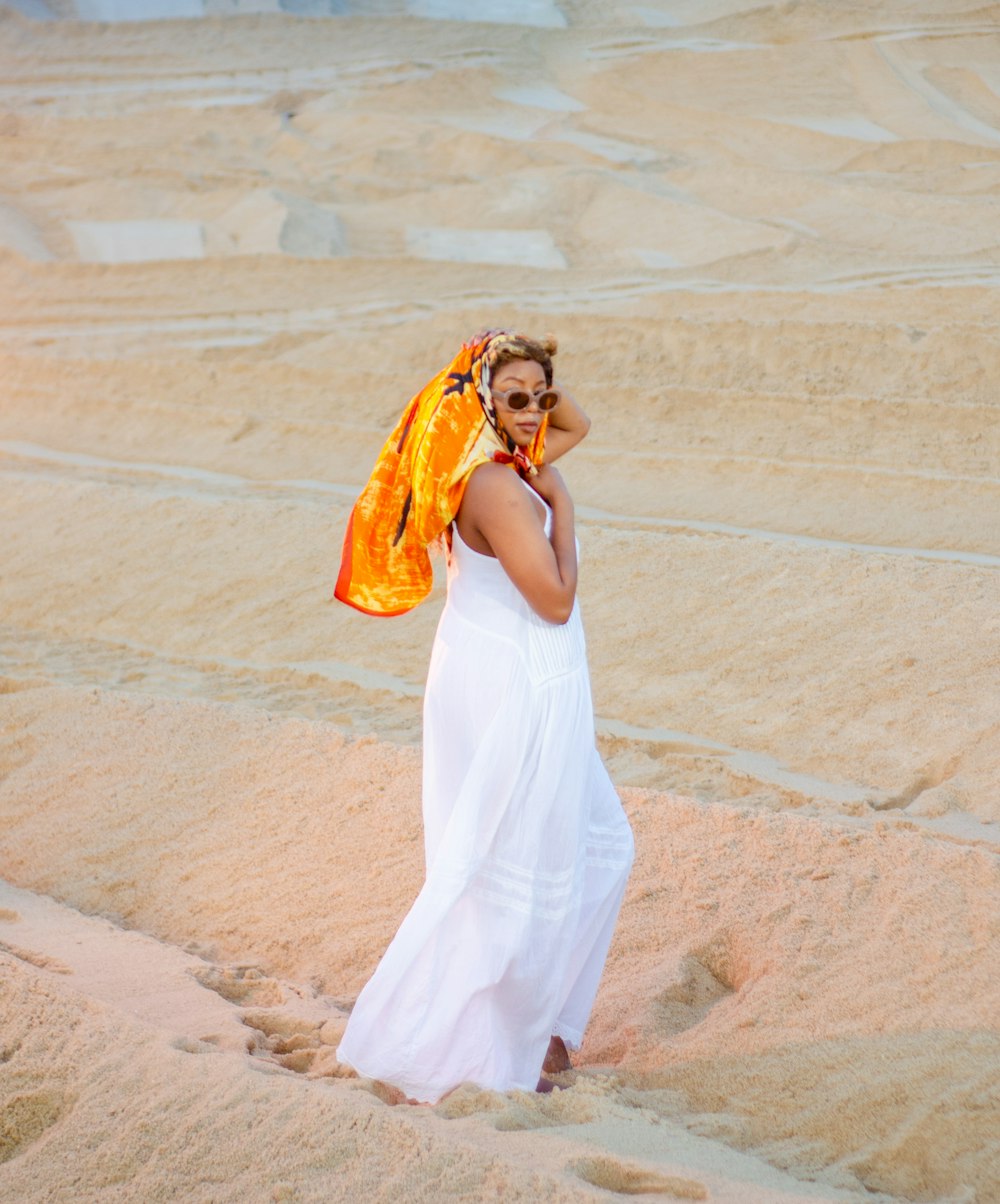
[[521, 425]]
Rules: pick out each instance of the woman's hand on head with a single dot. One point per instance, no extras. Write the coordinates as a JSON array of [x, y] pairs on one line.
[[549, 484]]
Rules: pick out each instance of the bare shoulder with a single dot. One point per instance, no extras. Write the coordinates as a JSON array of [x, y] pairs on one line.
[[493, 483], [491, 475]]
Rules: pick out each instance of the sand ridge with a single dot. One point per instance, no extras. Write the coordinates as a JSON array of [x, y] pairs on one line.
[[745, 1003]]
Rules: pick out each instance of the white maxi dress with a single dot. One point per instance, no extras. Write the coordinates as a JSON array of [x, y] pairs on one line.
[[527, 854]]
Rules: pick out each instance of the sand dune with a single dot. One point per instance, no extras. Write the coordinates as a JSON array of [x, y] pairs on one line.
[[235, 237], [747, 1003]]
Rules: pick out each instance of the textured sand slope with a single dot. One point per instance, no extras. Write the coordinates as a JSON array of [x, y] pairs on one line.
[[784, 979], [217, 598]]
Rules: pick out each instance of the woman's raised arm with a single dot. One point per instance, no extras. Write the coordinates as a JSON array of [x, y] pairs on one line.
[[568, 424]]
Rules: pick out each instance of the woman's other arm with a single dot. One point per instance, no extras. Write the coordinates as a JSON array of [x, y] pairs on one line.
[[568, 424], [499, 509]]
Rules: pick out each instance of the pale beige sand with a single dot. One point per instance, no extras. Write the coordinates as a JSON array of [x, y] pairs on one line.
[[292, 889], [230, 250], [821, 995]]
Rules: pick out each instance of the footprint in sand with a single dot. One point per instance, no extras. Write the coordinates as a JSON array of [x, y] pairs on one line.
[[620, 1177], [41, 961], [519, 1111], [25, 1118], [305, 1044], [291, 1041], [282, 1036], [241, 984], [700, 981]]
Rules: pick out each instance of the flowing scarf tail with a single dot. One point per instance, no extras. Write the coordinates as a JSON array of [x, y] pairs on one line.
[[383, 569], [416, 488]]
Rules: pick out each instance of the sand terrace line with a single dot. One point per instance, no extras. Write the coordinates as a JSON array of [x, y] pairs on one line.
[[257, 326], [164, 78], [837, 466], [959, 827], [149, 86], [199, 672], [154, 83], [980, 559], [654, 457], [761, 766], [203, 480], [644, 43], [916, 81], [101, 959], [930, 32], [163, 679]]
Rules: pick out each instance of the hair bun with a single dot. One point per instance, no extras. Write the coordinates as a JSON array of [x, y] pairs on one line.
[[549, 344]]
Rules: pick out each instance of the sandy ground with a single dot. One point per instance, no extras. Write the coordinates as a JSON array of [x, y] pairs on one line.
[[231, 247]]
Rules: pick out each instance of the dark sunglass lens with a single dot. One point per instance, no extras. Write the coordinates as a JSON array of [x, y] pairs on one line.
[[548, 400], [517, 399]]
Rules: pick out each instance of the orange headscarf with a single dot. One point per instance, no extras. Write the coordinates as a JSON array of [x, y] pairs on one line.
[[448, 429]]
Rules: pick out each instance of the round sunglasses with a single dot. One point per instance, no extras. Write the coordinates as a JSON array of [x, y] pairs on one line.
[[520, 399]]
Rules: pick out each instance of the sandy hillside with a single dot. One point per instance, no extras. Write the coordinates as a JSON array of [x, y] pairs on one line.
[[233, 242]]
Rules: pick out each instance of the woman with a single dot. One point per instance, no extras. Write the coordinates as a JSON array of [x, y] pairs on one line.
[[494, 970]]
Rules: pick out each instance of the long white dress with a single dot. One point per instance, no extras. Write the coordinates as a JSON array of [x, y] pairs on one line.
[[527, 854]]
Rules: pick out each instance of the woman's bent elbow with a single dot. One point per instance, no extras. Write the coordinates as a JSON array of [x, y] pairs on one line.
[[556, 612]]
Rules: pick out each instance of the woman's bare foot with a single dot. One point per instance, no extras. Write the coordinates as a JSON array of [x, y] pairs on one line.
[[387, 1093], [557, 1058]]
